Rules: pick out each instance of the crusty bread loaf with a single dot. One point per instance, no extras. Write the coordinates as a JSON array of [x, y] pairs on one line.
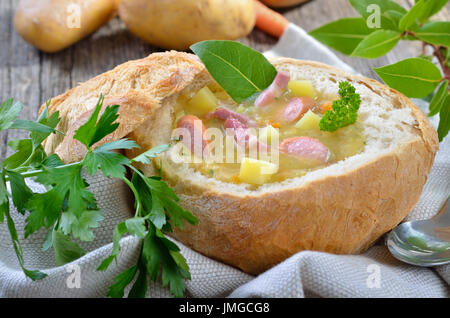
[[342, 208]]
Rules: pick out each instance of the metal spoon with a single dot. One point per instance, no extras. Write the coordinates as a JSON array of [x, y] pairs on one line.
[[422, 243]]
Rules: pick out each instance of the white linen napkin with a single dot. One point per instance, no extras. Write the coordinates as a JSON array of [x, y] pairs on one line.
[[307, 274]]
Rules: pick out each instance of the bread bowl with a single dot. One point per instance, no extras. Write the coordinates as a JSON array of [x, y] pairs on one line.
[[342, 207]]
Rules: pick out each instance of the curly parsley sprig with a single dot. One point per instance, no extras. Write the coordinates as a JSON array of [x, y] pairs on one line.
[[68, 210], [344, 111]]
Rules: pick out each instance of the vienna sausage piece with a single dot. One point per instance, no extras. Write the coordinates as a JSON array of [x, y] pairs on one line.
[[296, 108], [225, 113], [194, 137], [305, 147]]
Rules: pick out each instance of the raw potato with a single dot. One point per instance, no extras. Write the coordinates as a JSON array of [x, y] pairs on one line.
[[282, 3], [47, 24], [177, 24]]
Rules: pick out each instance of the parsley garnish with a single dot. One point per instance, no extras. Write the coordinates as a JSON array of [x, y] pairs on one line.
[[344, 111], [68, 210]]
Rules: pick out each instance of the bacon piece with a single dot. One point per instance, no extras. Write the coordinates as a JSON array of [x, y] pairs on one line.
[[305, 147], [282, 79], [242, 134], [276, 89], [296, 108], [225, 113], [265, 98], [195, 135]]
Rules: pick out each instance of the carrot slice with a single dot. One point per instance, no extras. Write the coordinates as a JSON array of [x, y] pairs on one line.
[[325, 107], [269, 20]]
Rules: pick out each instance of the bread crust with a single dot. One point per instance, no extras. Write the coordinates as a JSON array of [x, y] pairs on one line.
[[342, 214]]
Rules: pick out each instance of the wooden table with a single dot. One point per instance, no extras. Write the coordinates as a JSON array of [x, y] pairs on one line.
[[32, 77]]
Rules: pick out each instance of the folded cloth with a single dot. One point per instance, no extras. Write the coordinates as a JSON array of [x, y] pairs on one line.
[[307, 274]]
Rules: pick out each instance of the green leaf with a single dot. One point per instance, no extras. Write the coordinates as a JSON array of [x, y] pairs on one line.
[[106, 124], [343, 35], [164, 198], [3, 208], [32, 126], [412, 16], [52, 161], [68, 180], [153, 208], [81, 226], [344, 111], [85, 134], [3, 190], [140, 286], [181, 262], [377, 44], [122, 281], [44, 119], [110, 163], [44, 210], [420, 12], [434, 6], [136, 226], [9, 111], [157, 258], [431, 7], [93, 131], [178, 214], [24, 148], [119, 231], [21, 193], [24, 153], [150, 154], [391, 19], [414, 77], [118, 144], [444, 119], [48, 243], [435, 33], [157, 213], [66, 250], [33, 274], [241, 71], [386, 22], [437, 102]]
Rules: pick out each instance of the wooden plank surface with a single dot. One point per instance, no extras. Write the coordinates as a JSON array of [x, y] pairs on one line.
[[33, 77]]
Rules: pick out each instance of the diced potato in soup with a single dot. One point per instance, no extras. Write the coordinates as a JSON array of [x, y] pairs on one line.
[[287, 114], [203, 102]]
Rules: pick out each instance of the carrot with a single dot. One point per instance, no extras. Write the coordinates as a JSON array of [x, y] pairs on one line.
[[270, 21], [325, 107], [276, 125]]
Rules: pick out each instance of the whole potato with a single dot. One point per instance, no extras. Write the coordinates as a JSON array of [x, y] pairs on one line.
[[52, 25], [282, 3], [177, 24]]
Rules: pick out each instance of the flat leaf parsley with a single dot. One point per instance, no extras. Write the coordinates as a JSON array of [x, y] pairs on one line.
[[68, 210]]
